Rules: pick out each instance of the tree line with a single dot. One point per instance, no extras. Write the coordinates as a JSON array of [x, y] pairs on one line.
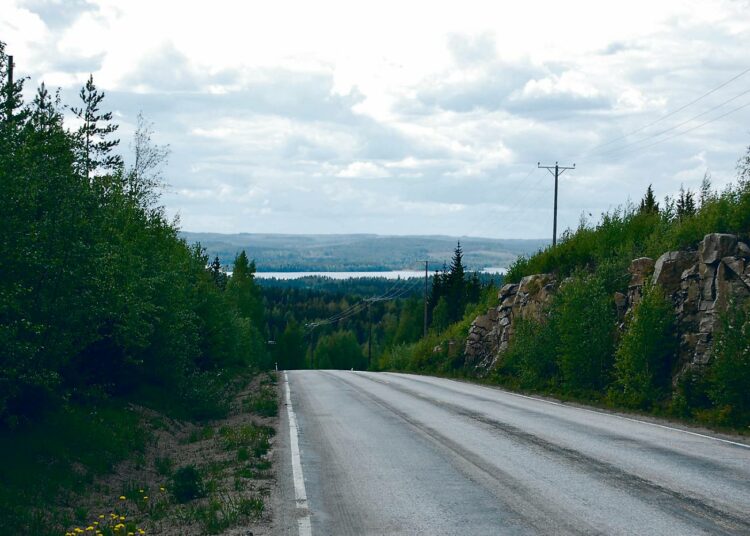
[[98, 296]]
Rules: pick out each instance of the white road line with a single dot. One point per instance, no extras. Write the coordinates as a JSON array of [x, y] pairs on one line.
[[491, 389], [303, 519]]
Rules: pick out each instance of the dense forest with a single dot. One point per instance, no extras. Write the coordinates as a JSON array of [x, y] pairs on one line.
[[581, 350], [319, 322], [101, 303]]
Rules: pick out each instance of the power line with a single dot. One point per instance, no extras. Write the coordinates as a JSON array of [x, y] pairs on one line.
[[670, 114], [390, 294], [678, 125], [677, 134]]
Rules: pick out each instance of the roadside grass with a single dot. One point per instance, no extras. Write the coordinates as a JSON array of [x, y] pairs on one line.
[[58, 456], [114, 469], [265, 401]]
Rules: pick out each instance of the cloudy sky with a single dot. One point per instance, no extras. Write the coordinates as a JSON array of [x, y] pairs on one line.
[[406, 117]]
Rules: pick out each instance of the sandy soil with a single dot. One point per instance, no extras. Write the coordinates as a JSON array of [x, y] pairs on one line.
[[229, 477]]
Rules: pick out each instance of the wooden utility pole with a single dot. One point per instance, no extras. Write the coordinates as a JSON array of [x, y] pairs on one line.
[[369, 337], [425, 298], [9, 101], [558, 171]]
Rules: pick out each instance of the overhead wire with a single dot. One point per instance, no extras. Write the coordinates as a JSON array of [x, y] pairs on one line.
[[673, 112], [678, 125], [677, 134], [392, 293]]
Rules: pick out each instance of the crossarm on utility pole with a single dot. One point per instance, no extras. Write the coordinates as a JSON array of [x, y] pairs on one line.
[[558, 170]]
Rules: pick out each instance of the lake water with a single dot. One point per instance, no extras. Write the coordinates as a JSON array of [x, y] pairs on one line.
[[395, 274]]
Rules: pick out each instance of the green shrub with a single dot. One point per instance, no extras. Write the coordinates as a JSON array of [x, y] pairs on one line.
[[643, 361], [729, 373], [584, 317], [187, 484], [264, 402], [531, 358], [340, 350]]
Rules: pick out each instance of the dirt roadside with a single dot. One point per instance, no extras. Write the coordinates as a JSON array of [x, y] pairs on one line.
[[193, 479]]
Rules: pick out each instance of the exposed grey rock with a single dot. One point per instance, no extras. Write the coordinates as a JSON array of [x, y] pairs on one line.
[[640, 269], [490, 333], [715, 246], [669, 267], [507, 290], [699, 284]]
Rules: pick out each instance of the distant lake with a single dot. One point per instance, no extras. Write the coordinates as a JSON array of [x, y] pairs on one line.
[[394, 274]]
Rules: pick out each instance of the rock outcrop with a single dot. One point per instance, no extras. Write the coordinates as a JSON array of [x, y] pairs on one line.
[[700, 285], [490, 333]]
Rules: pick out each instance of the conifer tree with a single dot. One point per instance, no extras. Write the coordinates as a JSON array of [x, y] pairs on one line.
[[649, 204], [95, 151], [456, 292], [685, 204], [217, 274]]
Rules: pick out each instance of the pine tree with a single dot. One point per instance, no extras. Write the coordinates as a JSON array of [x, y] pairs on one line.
[[648, 203], [217, 274], [456, 283], [95, 152], [685, 203], [244, 292]]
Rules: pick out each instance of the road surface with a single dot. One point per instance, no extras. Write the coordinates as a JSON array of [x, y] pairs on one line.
[[377, 453]]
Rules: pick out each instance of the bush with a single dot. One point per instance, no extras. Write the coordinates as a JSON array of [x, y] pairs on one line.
[[531, 359], [729, 373], [643, 361], [584, 317], [396, 357], [187, 484], [339, 350]]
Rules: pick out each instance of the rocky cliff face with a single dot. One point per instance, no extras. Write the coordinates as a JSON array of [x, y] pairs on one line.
[[699, 283], [490, 333]]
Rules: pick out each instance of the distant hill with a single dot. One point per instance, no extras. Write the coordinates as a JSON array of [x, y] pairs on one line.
[[362, 252]]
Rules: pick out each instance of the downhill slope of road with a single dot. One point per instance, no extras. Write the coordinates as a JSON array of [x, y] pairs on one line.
[[383, 453]]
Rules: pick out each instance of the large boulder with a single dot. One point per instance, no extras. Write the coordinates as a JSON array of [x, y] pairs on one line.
[[716, 246], [640, 269], [669, 267]]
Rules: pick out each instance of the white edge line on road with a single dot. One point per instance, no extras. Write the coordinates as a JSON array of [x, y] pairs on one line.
[[303, 521], [743, 445]]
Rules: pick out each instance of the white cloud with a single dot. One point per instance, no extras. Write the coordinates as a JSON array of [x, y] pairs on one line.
[[451, 106], [363, 170]]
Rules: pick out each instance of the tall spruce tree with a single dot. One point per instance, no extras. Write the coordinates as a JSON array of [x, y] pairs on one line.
[[649, 205], [685, 204], [456, 291]]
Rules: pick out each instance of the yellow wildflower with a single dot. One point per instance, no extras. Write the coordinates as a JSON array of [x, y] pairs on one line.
[[122, 497], [145, 497]]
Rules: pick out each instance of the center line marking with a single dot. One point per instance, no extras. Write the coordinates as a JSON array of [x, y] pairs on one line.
[[303, 519]]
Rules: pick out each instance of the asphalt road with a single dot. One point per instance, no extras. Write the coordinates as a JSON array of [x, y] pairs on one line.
[[400, 454]]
